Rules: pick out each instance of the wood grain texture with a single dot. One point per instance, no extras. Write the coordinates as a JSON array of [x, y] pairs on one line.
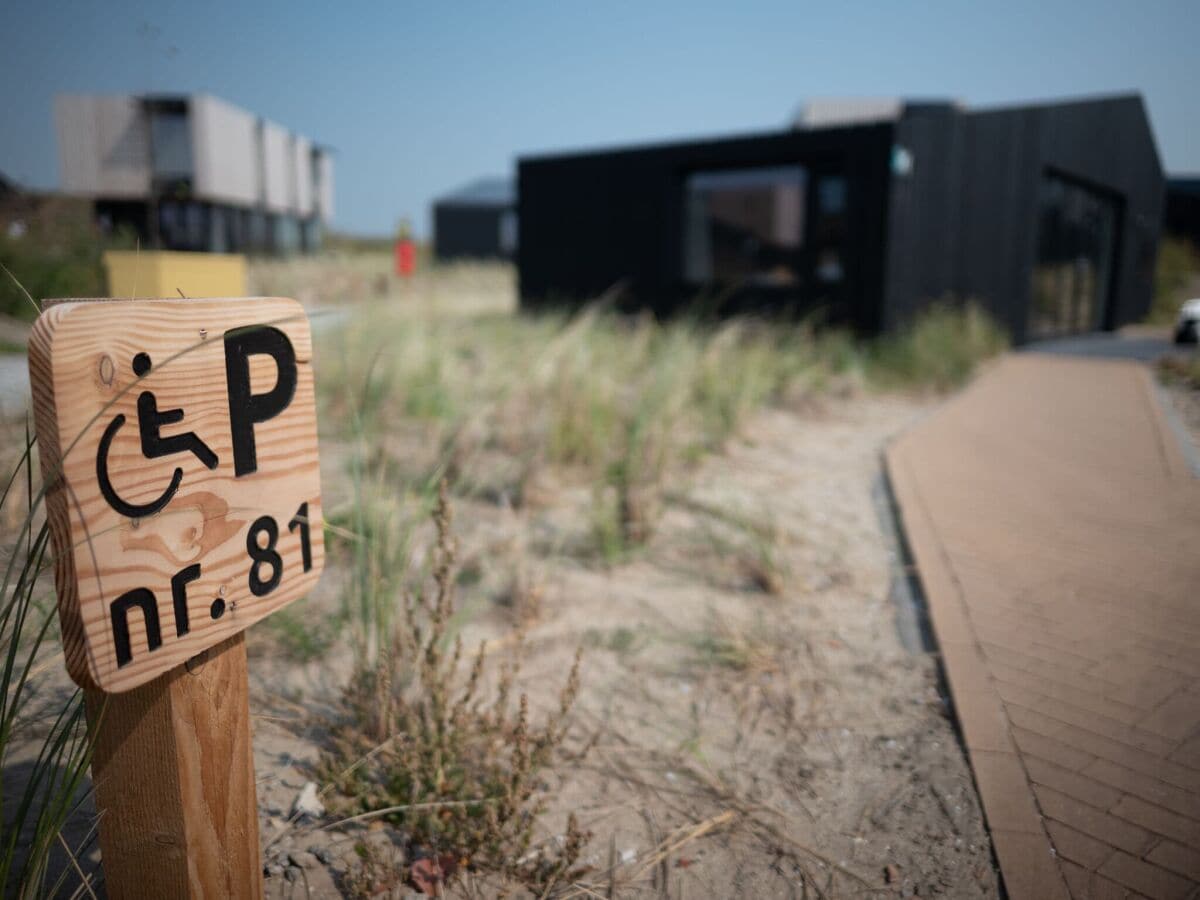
[[174, 776], [81, 369]]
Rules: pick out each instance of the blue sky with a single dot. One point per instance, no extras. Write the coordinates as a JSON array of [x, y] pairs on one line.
[[419, 98]]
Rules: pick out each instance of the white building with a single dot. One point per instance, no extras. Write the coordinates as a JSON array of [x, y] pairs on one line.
[[192, 172]]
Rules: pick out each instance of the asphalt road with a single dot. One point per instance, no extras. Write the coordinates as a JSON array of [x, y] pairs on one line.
[[1110, 345], [14, 385]]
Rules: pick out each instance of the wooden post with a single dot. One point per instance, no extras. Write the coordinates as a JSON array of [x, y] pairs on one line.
[[173, 769], [179, 449]]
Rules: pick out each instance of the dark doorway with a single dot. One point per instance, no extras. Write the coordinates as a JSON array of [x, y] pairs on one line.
[[1076, 258]]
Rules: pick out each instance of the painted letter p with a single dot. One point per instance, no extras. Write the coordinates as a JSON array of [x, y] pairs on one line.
[[247, 409]]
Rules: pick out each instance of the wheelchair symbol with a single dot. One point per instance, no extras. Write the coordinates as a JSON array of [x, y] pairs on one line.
[[154, 445]]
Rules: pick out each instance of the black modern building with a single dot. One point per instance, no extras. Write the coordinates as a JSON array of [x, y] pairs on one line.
[[1048, 215], [478, 221]]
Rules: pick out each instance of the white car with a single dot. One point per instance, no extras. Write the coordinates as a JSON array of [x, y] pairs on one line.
[[1187, 329]]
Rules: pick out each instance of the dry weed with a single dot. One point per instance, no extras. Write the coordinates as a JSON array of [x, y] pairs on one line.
[[424, 750]]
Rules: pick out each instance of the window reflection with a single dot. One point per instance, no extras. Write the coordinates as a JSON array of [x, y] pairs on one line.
[[1075, 253], [745, 225]]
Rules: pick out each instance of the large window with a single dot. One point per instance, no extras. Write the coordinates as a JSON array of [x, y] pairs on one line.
[[745, 226], [171, 142], [830, 228], [183, 225], [1076, 250]]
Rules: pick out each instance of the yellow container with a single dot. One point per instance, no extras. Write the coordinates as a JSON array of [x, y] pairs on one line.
[[163, 273]]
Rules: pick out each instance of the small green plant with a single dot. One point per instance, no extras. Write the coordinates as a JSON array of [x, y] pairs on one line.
[[301, 636], [374, 532], [755, 546], [55, 251], [604, 519], [374, 535], [1181, 372], [1176, 270], [761, 561], [375, 871], [754, 649], [423, 750], [619, 640], [940, 349]]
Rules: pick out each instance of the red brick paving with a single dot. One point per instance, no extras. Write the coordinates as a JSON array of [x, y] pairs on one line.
[[1055, 525]]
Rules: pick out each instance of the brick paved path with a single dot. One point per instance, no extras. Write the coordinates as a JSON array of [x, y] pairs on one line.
[[1056, 528]]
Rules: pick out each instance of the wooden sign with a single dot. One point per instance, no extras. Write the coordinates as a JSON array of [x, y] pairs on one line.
[[178, 441]]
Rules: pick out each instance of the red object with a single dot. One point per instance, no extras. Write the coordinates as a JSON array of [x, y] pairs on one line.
[[406, 257]]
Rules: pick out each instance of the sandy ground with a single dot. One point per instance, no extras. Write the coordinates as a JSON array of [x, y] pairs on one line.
[[775, 744], [821, 748], [797, 726]]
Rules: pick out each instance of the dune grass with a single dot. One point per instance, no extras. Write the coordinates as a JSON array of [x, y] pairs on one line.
[[48, 738], [419, 390], [938, 350], [1176, 276], [614, 402]]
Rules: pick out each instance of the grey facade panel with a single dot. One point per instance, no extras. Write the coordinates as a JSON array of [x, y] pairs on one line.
[[277, 181], [302, 174], [323, 184], [103, 145], [225, 149]]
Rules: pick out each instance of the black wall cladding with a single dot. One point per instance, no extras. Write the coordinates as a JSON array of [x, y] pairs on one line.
[[960, 221]]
